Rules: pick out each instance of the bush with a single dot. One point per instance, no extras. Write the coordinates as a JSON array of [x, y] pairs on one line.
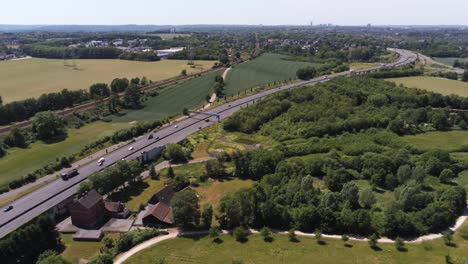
[[240, 234]]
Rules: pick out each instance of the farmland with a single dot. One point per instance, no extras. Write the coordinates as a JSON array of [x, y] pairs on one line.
[[22, 79], [450, 61], [169, 102], [265, 69], [307, 250], [434, 84]]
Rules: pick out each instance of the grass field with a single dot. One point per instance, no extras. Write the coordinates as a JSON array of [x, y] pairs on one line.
[[307, 250], [138, 194], [172, 100], [23, 79], [75, 250], [434, 84], [450, 140], [19, 161], [362, 65], [265, 69], [170, 36], [212, 191], [450, 61]]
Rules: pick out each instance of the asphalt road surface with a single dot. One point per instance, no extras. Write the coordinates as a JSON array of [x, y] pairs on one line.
[[45, 198]]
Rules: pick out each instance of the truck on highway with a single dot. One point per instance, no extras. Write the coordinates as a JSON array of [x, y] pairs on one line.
[[70, 174]]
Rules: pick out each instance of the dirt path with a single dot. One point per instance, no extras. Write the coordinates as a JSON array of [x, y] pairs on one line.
[[175, 233]]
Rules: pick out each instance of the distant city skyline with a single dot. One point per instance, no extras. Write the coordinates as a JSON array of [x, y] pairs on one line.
[[253, 12]]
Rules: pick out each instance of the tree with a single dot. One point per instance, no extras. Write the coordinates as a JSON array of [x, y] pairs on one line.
[[51, 257], [47, 125], [186, 209], [153, 174], [318, 236], [292, 235], [99, 90], [144, 81], [367, 198], [185, 112], [464, 77], [399, 244], [215, 169], [132, 97], [419, 174], [175, 153], [306, 73], [183, 72], [170, 173], [265, 232], [404, 173], [135, 81], [350, 193], [15, 138], [448, 239], [113, 103], [373, 241], [345, 239], [207, 215], [439, 120], [446, 175], [240, 234], [119, 85], [214, 233]]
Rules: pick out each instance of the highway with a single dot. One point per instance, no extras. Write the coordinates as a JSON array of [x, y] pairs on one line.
[[45, 198]]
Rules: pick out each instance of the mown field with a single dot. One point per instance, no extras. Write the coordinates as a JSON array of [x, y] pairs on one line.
[[434, 84], [27, 78], [20, 162], [450, 61], [265, 69], [307, 250], [446, 140]]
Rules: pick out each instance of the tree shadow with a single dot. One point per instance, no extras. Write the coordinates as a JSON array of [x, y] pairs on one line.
[[322, 242], [218, 240], [134, 189], [55, 139], [376, 248], [402, 249], [294, 240], [268, 239], [348, 245]]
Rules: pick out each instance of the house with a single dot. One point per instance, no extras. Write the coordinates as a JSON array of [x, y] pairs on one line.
[[91, 211], [160, 211]]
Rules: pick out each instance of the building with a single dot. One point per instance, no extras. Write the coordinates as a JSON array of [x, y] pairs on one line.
[[167, 52], [160, 211], [91, 211]]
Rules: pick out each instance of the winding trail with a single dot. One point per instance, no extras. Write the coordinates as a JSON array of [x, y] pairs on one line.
[[174, 233]]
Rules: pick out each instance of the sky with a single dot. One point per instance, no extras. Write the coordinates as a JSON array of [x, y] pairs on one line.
[[252, 12]]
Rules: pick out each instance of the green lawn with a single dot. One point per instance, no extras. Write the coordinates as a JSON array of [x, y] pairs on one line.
[[27, 78], [20, 162], [212, 191], [450, 61], [138, 194], [172, 100], [450, 140], [170, 36], [75, 250], [263, 70], [307, 250], [434, 84]]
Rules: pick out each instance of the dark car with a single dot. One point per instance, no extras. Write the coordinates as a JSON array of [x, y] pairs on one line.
[[207, 120], [8, 208], [150, 136], [67, 175]]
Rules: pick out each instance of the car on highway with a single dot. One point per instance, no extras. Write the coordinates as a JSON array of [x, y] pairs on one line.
[[8, 208], [130, 148], [175, 126], [156, 138], [70, 174], [150, 136], [207, 120], [101, 161]]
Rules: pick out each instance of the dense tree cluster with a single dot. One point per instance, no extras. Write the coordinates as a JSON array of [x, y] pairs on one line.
[[396, 72], [337, 134], [109, 179], [43, 51], [24, 245]]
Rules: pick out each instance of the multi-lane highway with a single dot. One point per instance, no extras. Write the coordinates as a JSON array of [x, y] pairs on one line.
[[45, 198]]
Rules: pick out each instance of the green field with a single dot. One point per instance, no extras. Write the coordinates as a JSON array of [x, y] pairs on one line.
[[307, 250], [76, 250], [27, 78], [449, 140], [170, 36], [450, 61], [434, 84], [172, 100], [263, 70], [20, 162]]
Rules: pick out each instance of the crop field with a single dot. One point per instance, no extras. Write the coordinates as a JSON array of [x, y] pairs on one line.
[[27, 78], [434, 84], [263, 70], [20, 162], [450, 61], [306, 250], [172, 100]]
